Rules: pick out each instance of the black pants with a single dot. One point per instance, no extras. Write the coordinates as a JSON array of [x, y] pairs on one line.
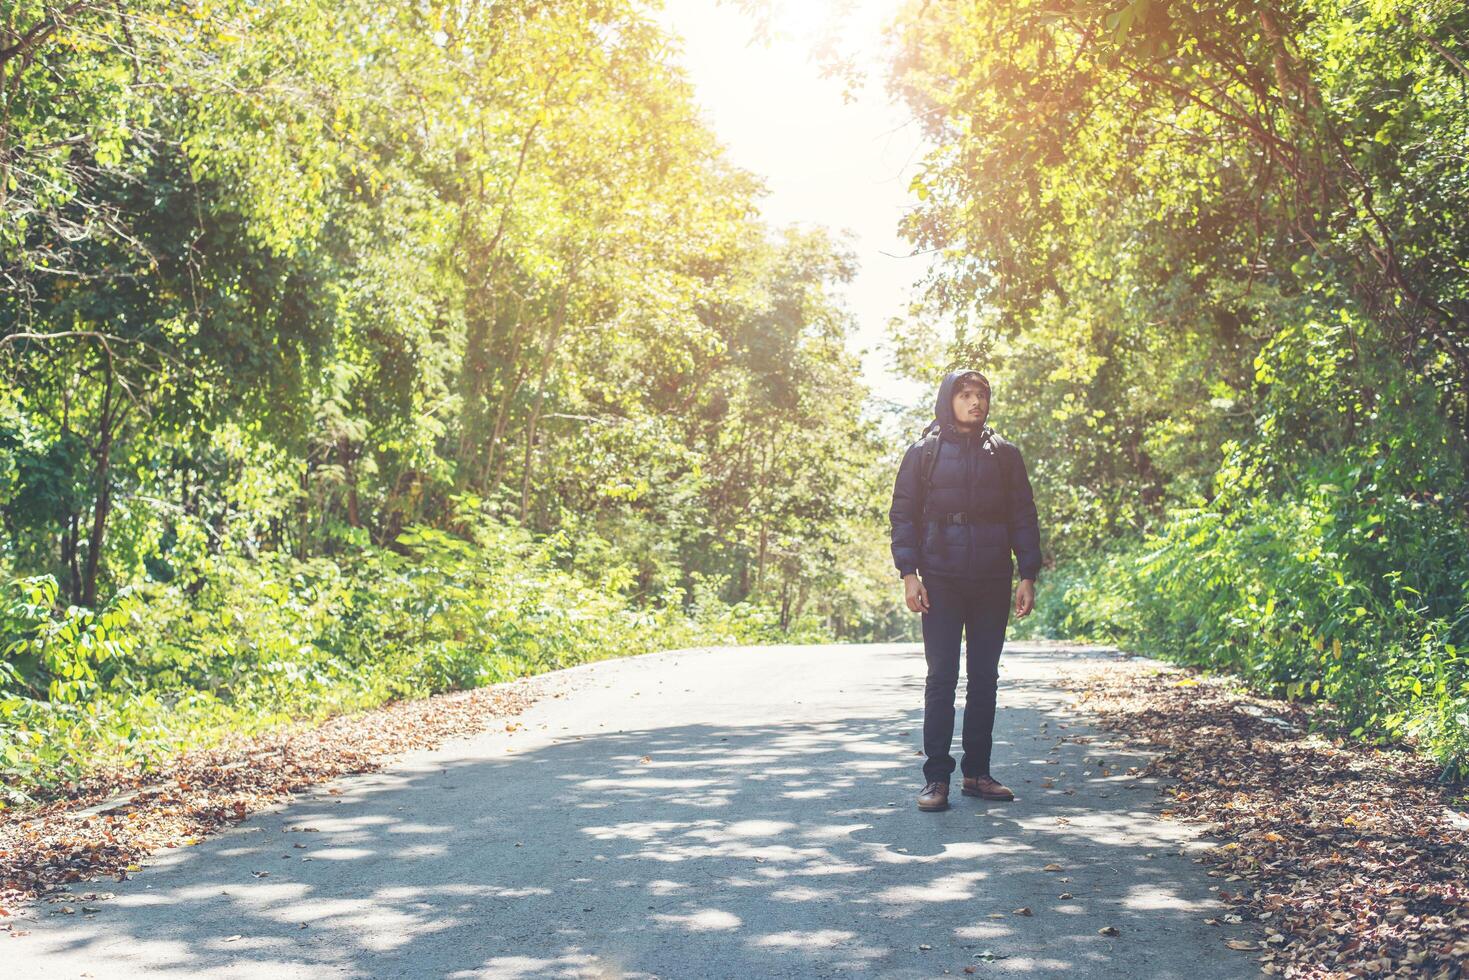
[[979, 609]]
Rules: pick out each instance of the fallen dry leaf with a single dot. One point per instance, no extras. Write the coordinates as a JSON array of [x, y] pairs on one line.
[[202, 791], [1346, 849]]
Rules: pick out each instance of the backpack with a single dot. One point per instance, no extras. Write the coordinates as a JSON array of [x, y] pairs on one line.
[[931, 438]]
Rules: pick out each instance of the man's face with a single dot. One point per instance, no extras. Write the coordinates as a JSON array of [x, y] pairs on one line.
[[971, 405]]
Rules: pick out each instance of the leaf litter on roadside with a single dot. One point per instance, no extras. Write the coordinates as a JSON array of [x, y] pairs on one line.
[[1346, 856], [67, 839]]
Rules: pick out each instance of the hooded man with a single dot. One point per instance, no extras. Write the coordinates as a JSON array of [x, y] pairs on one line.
[[962, 503]]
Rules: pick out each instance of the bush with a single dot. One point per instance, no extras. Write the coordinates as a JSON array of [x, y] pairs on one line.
[[248, 644], [1336, 594], [1331, 560]]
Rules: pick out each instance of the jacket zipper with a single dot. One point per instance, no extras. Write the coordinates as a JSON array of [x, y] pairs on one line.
[[972, 564]]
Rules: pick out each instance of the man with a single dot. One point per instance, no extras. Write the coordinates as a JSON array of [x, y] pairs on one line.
[[962, 503]]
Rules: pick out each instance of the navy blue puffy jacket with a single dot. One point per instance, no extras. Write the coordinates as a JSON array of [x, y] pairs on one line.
[[968, 478]]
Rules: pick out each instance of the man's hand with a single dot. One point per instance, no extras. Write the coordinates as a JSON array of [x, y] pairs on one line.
[[915, 594], [1024, 598]]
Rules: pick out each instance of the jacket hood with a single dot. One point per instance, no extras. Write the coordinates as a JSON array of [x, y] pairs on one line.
[[943, 406]]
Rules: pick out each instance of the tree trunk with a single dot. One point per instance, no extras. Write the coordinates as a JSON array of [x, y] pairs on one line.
[[102, 473], [494, 465], [344, 449], [69, 538], [764, 519], [535, 415]]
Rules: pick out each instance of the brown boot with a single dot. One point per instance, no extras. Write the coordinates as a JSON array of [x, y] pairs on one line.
[[986, 787], [935, 796]]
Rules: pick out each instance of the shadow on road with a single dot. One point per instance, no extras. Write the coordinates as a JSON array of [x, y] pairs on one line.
[[695, 850]]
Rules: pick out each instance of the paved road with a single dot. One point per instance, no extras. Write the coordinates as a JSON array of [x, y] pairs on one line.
[[692, 814]]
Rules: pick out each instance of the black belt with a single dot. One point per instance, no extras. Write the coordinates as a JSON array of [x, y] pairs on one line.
[[961, 517]]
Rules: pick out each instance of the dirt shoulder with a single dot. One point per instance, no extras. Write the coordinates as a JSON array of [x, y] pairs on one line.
[[1353, 859], [99, 828]]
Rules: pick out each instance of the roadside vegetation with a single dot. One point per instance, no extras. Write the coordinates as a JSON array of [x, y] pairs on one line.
[[1215, 255], [351, 352]]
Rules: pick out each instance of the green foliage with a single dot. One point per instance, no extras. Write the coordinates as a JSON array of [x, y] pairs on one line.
[[1341, 575], [354, 351], [1213, 255], [251, 643], [359, 262], [1278, 594], [67, 657]]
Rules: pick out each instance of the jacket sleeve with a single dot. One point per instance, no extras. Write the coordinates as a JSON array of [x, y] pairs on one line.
[[1025, 529], [903, 515]]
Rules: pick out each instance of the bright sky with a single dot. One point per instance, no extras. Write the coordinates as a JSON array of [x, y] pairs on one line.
[[844, 165]]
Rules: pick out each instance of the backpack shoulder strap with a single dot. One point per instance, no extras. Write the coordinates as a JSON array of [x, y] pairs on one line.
[[928, 458], [1004, 451]]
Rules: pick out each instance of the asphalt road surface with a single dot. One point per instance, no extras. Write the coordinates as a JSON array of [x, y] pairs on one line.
[[730, 812]]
